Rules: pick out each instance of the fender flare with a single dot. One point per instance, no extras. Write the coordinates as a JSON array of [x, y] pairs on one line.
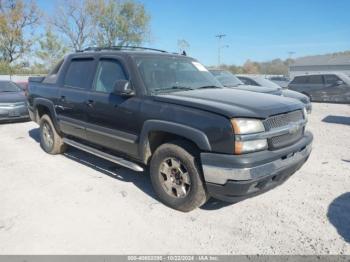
[[196, 136], [50, 106]]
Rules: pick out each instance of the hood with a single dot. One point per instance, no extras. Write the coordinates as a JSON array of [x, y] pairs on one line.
[[296, 95], [12, 97], [232, 102], [260, 89]]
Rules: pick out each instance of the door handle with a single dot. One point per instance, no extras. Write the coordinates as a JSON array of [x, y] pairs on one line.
[[90, 103]]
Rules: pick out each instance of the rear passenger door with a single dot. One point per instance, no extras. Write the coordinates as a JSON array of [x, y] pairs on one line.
[[71, 107], [316, 86], [112, 119]]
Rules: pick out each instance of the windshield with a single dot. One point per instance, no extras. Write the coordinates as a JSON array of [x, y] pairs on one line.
[[226, 78], [345, 78], [7, 86], [265, 82], [171, 74]]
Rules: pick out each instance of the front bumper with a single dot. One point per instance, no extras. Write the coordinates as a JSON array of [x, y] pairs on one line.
[[14, 113], [233, 178], [308, 107]]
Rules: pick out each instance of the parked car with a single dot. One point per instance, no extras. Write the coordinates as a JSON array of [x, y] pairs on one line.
[[228, 79], [13, 106], [164, 111], [256, 80], [330, 87], [282, 81], [23, 85]]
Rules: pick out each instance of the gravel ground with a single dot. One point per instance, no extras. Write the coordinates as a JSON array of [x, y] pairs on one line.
[[79, 204]]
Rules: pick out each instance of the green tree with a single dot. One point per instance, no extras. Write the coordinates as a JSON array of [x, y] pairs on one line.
[[17, 24], [119, 22], [51, 50], [251, 67]]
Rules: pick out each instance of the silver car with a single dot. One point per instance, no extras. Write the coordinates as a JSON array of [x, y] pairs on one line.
[[13, 105], [331, 87], [259, 84]]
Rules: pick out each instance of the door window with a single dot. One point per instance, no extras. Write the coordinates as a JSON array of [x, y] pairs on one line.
[[331, 79], [316, 80], [78, 73], [300, 80], [108, 73]]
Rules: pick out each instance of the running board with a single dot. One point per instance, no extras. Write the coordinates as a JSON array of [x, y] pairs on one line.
[[101, 154]]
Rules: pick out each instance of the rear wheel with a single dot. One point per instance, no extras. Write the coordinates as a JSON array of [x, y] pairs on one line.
[[176, 176], [50, 141]]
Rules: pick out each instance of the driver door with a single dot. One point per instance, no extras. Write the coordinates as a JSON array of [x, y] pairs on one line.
[[335, 89]]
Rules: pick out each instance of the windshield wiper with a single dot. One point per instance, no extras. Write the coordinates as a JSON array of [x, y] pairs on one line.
[[173, 88], [207, 87]]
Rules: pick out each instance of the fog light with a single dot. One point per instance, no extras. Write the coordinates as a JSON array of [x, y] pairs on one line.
[[242, 147]]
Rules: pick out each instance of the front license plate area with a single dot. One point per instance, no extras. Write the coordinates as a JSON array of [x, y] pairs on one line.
[[14, 113]]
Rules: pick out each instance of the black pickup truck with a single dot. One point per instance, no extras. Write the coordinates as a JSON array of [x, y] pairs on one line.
[[142, 108]]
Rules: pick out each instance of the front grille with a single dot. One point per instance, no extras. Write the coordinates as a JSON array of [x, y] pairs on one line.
[[11, 105], [285, 140], [281, 121]]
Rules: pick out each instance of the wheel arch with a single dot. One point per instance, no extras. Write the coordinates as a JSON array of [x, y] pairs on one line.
[[44, 106], [157, 132]]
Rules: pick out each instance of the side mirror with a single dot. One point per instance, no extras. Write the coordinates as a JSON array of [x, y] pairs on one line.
[[123, 88], [339, 83]]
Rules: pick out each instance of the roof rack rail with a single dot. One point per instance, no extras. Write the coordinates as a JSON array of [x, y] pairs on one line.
[[120, 48]]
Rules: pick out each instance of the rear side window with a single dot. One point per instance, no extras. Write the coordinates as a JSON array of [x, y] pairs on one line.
[[51, 78], [108, 72], [331, 79], [316, 79], [300, 80], [78, 73], [248, 81]]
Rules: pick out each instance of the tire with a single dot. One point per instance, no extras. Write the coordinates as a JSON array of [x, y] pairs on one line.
[[176, 176], [56, 146]]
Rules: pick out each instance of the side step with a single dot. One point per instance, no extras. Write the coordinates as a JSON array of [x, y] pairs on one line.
[[99, 153]]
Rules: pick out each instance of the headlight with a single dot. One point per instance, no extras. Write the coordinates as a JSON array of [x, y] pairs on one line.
[[243, 126], [246, 126]]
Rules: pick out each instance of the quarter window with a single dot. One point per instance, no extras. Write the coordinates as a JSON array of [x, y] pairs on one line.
[[300, 80], [108, 73], [78, 73]]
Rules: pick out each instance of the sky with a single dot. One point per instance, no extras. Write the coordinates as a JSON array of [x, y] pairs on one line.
[[259, 30]]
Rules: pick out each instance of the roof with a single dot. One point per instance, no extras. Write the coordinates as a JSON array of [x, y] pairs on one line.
[[90, 53], [329, 59]]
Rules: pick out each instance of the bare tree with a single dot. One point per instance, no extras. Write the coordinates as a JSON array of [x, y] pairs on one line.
[[74, 21], [17, 24], [51, 49], [119, 22]]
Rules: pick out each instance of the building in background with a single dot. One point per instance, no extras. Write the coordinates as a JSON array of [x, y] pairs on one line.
[[338, 62]]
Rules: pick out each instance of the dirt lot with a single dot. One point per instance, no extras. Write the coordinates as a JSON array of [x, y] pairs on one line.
[[78, 204]]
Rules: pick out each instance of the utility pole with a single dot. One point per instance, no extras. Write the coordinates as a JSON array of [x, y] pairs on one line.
[[220, 37], [290, 53]]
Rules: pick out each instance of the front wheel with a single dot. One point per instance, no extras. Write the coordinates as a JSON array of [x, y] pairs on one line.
[[176, 176]]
